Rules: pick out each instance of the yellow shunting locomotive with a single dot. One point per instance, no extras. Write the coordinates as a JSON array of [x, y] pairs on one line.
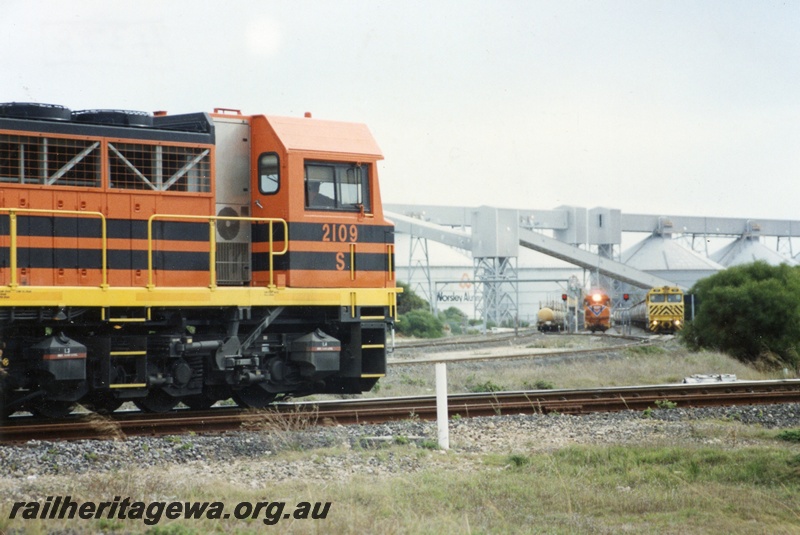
[[161, 258], [662, 310]]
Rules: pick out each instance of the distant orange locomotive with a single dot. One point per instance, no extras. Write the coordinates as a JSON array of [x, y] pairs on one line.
[[597, 311], [163, 258]]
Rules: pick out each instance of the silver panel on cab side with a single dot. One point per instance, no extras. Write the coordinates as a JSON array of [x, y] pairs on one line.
[[233, 199]]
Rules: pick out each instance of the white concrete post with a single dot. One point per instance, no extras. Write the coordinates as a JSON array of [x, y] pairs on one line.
[[441, 405]]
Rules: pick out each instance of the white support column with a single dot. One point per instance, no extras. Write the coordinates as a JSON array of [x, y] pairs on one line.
[[441, 405]]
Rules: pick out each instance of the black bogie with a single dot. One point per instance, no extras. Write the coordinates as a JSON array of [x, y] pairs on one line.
[[160, 357]]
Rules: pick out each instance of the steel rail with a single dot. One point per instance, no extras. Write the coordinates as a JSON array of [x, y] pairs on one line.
[[301, 415], [515, 354], [524, 334]]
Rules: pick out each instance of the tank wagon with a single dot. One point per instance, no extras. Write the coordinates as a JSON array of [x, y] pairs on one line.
[[597, 311], [188, 258], [662, 310], [552, 317]]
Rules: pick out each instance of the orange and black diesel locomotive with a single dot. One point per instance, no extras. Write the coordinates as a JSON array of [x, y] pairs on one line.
[[161, 258], [597, 311]]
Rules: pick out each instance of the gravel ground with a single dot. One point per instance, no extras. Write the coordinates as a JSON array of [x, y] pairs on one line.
[[247, 458]]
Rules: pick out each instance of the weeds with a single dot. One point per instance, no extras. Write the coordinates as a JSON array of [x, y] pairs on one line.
[[516, 460], [407, 380], [665, 404], [789, 435], [487, 386], [647, 350], [277, 421], [105, 425], [539, 384], [282, 427], [429, 444]]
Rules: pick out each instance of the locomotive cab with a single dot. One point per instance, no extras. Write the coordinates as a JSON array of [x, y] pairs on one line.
[[321, 176]]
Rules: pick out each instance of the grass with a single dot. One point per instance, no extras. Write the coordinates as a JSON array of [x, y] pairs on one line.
[[279, 428], [576, 489], [656, 364]]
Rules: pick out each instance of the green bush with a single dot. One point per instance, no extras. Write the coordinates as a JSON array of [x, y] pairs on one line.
[[751, 312], [454, 319], [414, 317], [455, 327], [420, 323], [454, 314], [408, 300]]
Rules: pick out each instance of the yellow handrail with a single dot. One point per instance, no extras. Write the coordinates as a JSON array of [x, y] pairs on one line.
[[390, 253], [212, 237], [12, 216], [352, 261]]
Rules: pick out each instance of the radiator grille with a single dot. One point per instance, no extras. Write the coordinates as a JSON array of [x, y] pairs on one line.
[[233, 263]]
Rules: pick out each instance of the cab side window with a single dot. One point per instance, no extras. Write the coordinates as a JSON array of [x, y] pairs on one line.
[[269, 173], [320, 186], [337, 186]]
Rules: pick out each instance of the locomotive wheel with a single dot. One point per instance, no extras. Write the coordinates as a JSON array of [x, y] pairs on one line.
[[199, 402], [156, 401], [3, 411], [102, 403], [52, 408], [253, 396]]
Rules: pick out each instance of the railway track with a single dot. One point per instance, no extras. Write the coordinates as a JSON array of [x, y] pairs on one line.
[[507, 347], [510, 353], [499, 339], [290, 416]]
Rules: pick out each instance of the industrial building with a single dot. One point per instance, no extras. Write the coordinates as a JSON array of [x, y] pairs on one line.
[[500, 264]]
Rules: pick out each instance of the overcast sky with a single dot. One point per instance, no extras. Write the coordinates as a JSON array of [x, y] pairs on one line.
[[662, 107]]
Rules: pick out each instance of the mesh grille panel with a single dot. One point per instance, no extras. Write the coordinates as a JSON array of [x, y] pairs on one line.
[[153, 167], [49, 161], [233, 263]]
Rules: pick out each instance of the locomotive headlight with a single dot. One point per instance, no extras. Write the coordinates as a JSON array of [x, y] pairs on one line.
[[596, 298]]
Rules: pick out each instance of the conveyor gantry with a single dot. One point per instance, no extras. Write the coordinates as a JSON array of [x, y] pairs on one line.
[[535, 241]]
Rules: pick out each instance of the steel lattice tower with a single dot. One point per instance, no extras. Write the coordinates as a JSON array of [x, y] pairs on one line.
[[497, 290]]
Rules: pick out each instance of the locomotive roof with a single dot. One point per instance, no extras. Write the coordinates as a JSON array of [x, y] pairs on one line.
[[302, 133], [187, 128]]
